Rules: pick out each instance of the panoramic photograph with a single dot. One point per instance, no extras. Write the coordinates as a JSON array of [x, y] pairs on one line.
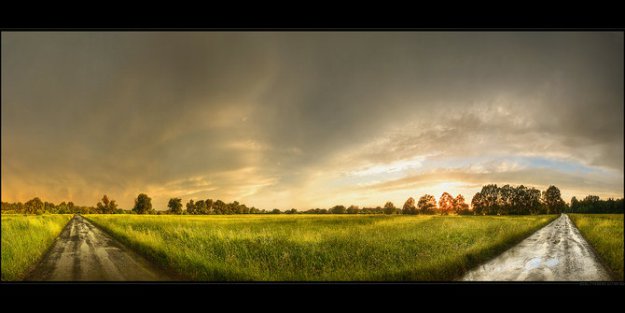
[[312, 156]]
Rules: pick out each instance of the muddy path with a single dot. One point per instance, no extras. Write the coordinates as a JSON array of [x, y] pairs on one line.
[[557, 252], [84, 253]]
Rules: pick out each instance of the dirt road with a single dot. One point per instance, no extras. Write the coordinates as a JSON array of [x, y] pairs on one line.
[[84, 253], [557, 252]]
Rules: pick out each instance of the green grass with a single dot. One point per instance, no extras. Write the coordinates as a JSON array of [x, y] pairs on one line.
[[319, 247], [605, 233], [25, 239]]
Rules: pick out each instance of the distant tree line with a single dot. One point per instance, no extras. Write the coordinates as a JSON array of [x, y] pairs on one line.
[[592, 204], [210, 206], [37, 206], [491, 200], [519, 200]]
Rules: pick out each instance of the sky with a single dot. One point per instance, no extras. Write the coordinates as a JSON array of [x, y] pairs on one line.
[[308, 119]]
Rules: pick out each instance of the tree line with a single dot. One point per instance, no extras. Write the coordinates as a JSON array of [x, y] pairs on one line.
[[592, 204], [491, 200]]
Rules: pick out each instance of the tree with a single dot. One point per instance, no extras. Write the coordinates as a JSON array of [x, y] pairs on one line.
[[190, 207], [243, 209], [274, 211], [520, 201], [143, 204], [219, 207], [445, 204], [103, 205], [113, 207], [478, 204], [353, 209], [62, 208], [209, 206], [338, 209], [427, 204], [49, 207], [490, 194], [33, 206], [389, 208], [106, 206], [409, 207], [175, 206], [200, 207], [552, 200], [574, 205], [505, 199], [233, 208], [587, 199], [535, 206], [460, 207]]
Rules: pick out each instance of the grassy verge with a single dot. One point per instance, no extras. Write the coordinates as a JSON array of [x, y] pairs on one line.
[[605, 233], [318, 247], [25, 239]]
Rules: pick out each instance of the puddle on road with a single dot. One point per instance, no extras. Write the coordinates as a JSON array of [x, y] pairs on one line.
[[552, 262], [533, 263]]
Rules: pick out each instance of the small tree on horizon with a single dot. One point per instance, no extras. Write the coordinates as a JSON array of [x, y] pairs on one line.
[[190, 207], [106, 206], [143, 204], [175, 206], [460, 207], [338, 209], [353, 209], [427, 204], [553, 200], [574, 205], [33, 206], [389, 208], [409, 207], [477, 204], [445, 204]]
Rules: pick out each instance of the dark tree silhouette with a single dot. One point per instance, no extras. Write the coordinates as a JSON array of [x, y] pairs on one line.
[[143, 204], [353, 209], [33, 206], [427, 204], [175, 206], [553, 201], [445, 204], [389, 208], [409, 207], [460, 207], [338, 209]]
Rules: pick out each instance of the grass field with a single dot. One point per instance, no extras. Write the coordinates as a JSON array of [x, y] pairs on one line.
[[318, 247], [25, 239], [605, 233]]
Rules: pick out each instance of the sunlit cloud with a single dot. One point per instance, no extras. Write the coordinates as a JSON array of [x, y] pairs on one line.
[[282, 120]]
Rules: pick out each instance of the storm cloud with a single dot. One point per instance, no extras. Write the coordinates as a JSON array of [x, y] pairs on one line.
[[306, 119]]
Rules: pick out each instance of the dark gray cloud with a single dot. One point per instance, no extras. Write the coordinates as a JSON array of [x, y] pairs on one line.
[[252, 115]]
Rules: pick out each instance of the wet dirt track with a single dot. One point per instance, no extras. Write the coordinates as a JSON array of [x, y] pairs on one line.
[[557, 252], [84, 253]]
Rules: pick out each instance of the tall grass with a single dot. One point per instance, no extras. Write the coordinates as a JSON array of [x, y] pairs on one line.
[[319, 247], [25, 239], [605, 233]]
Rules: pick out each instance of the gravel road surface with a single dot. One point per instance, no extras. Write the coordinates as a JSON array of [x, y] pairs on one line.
[[84, 253], [557, 252]]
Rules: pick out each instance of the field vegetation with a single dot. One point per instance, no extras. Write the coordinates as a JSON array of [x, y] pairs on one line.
[[605, 233], [319, 247], [25, 239]]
